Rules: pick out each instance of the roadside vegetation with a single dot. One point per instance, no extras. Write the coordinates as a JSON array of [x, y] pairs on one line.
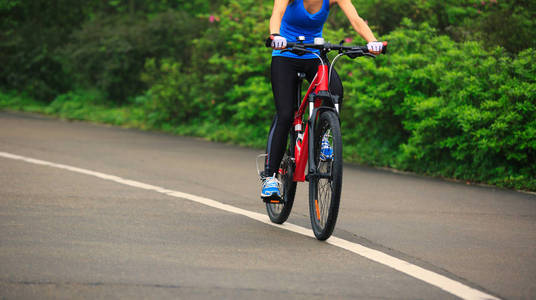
[[455, 97]]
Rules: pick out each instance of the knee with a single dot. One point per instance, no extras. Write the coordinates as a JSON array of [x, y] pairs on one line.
[[284, 119]]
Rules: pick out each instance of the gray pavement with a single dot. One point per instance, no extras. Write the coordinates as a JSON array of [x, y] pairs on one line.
[[68, 235]]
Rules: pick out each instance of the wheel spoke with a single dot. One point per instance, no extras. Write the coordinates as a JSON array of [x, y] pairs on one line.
[[324, 185]]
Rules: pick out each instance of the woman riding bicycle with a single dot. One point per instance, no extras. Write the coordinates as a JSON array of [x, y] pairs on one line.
[[291, 19]]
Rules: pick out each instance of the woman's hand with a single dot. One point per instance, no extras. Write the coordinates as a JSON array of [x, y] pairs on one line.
[[278, 42], [375, 47]]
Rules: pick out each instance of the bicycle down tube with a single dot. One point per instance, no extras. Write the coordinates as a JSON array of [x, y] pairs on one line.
[[313, 101]]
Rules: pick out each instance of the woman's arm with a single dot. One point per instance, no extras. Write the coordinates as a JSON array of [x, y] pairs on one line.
[[357, 22], [277, 15]]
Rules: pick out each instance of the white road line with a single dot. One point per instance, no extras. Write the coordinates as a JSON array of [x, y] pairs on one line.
[[454, 287]]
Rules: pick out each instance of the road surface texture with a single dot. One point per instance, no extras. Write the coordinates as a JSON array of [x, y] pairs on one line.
[[66, 234]]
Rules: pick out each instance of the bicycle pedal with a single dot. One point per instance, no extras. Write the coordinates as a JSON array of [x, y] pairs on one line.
[[274, 199]]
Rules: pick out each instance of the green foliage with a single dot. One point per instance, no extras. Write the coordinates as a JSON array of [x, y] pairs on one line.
[[20, 102], [168, 100], [235, 68], [89, 106], [446, 109], [227, 57], [30, 34], [192, 7], [510, 24], [109, 52], [226, 82]]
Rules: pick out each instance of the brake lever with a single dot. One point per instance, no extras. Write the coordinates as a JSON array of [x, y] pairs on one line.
[[293, 50], [354, 53], [357, 53], [298, 50]]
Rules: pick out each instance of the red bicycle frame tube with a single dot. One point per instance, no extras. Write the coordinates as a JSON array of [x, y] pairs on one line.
[[301, 153]]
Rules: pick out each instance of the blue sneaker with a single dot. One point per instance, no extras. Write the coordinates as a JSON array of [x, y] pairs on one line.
[[326, 151], [270, 190]]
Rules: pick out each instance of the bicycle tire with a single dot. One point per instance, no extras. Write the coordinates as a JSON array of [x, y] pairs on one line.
[[279, 213], [325, 193]]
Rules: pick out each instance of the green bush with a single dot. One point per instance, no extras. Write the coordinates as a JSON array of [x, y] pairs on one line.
[[510, 24], [89, 105], [12, 100], [115, 7], [226, 58], [109, 52], [168, 100], [226, 80], [442, 108], [31, 32]]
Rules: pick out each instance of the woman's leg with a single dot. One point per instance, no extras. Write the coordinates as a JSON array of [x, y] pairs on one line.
[[335, 86], [284, 87]]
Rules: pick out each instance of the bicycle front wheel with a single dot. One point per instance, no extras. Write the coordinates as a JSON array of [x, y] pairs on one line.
[[325, 186]]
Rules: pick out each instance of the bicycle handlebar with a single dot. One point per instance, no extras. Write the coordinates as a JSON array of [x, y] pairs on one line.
[[326, 47], [336, 47]]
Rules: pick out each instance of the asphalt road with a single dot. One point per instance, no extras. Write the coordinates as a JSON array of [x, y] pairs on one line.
[[67, 235]]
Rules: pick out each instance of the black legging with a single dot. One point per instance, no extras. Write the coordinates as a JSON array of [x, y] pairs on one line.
[[285, 89]]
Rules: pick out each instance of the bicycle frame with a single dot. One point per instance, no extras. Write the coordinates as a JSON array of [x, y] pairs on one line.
[[317, 91]]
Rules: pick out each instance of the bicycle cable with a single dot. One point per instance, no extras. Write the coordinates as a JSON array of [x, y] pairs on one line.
[[332, 65], [321, 62]]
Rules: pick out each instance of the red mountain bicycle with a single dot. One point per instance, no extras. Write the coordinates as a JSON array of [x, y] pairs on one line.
[[321, 125]]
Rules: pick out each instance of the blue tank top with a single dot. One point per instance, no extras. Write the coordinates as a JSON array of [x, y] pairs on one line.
[[297, 21]]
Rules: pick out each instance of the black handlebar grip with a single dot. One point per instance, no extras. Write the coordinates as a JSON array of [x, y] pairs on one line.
[[384, 49], [268, 42]]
